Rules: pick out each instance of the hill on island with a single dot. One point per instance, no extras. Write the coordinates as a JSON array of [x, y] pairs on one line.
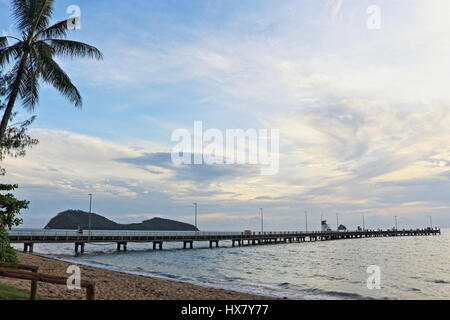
[[72, 219]]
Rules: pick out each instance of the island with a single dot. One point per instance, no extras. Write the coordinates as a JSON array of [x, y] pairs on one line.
[[74, 219]]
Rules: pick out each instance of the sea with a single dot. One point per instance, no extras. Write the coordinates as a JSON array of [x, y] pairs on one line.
[[374, 268]]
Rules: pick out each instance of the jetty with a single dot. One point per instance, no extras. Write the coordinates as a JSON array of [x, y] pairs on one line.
[[157, 238]]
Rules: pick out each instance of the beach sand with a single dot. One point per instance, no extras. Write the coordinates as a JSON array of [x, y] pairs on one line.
[[112, 285]]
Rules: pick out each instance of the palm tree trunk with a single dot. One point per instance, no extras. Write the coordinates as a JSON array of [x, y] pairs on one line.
[[12, 97]]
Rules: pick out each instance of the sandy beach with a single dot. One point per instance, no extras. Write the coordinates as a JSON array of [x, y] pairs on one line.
[[112, 285]]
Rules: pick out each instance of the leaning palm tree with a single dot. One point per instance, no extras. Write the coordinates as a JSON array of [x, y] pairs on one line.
[[32, 56]]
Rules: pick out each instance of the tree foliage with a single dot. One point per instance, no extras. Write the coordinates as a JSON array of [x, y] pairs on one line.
[[10, 208], [32, 56], [14, 144], [7, 253], [16, 139]]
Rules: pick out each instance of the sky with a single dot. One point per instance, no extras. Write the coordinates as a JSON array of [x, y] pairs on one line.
[[363, 114]]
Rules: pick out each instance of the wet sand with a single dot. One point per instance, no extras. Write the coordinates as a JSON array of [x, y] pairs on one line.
[[112, 285]]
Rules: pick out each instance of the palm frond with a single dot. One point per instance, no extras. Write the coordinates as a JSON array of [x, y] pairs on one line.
[[22, 13], [73, 49], [29, 86], [16, 74], [43, 49], [54, 75], [10, 53], [43, 14], [58, 30], [32, 15], [3, 42]]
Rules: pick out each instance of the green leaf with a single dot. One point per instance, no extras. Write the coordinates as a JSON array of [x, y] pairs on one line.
[[74, 49]]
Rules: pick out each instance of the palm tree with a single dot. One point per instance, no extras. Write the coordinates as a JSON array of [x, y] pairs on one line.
[[32, 56]]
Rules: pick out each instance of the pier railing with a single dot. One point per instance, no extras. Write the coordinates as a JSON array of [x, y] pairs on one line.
[[30, 237], [61, 234]]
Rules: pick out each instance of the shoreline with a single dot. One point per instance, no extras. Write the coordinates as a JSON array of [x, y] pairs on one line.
[[117, 285], [262, 292]]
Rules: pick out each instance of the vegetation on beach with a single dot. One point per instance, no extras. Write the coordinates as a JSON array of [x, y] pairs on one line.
[[10, 208], [11, 293], [7, 253]]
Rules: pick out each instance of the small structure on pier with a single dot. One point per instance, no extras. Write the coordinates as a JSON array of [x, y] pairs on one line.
[[325, 226]]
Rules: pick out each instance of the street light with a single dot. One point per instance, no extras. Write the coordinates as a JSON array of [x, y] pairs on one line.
[[90, 212], [431, 222], [396, 223], [262, 220], [306, 221], [321, 220], [337, 221], [195, 205], [364, 222]]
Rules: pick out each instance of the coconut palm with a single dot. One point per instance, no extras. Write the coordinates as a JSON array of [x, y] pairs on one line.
[[32, 56]]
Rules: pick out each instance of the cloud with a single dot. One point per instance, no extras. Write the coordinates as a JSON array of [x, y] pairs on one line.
[[363, 115], [197, 173], [73, 163]]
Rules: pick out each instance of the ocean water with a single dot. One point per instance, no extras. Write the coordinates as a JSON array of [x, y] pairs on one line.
[[410, 267]]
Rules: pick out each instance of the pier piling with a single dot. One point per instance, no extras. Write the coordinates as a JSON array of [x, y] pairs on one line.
[[121, 245], [213, 241], [28, 247], [79, 246], [157, 244], [185, 243]]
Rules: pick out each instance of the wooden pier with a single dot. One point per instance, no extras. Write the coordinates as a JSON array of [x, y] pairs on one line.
[[121, 238]]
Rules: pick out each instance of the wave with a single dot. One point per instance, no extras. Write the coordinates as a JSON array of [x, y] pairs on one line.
[[440, 281], [338, 295]]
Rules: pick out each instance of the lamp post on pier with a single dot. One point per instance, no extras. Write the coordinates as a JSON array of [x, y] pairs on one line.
[[262, 220], [195, 206], [90, 212], [306, 221]]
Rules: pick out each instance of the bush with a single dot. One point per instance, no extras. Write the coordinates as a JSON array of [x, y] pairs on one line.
[[10, 208], [7, 253]]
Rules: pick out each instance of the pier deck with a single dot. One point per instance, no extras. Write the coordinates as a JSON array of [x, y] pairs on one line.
[[157, 238]]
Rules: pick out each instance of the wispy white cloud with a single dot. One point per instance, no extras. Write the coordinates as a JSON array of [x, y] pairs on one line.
[[363, 115]]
